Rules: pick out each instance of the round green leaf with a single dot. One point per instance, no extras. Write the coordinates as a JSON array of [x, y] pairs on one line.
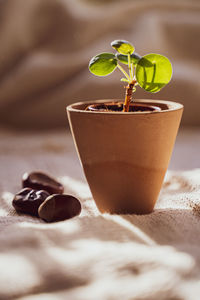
[[103, 64], [123, 47], [153, 72], [124, 58]]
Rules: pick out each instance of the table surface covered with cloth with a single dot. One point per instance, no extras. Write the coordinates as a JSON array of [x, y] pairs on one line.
[[98, 256]]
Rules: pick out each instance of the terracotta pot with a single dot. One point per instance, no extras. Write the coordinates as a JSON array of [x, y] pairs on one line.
[[125, 155]]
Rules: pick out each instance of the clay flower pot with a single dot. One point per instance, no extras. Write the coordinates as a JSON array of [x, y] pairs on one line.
[[125, 155]]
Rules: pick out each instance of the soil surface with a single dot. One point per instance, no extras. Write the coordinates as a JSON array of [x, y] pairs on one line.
[[118, 107]]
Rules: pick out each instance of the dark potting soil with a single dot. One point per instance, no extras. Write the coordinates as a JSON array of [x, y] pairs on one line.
[[111, 107]]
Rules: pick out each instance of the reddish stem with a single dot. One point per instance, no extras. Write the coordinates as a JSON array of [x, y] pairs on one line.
[[128, 98]]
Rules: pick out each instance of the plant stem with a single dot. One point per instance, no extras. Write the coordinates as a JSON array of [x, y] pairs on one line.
[[128, 98], [129, 67], [123, 71], [132, 70]]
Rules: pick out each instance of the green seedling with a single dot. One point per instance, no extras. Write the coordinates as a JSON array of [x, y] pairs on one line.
[[151, 72]]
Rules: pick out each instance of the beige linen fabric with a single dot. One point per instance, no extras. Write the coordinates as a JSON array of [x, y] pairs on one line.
[[97, 256], [45, 47]]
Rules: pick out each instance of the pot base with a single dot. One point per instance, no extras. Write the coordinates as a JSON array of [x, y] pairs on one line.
[[123, 188]]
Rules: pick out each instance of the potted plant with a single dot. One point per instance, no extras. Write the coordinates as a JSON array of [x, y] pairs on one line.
[[125, 147]]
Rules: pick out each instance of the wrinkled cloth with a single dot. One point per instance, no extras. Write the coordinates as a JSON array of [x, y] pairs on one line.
[[46, 46], [98, 256]]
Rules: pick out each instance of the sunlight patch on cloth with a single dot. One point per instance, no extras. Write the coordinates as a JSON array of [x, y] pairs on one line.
[[144, 237], [68, 226], [13, 264], [77, 187]]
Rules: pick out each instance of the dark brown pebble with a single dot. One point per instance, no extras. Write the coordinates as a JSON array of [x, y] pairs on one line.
[[28, 201], [42, 181], [59, 208]]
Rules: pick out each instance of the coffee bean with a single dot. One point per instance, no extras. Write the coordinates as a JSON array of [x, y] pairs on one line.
[[59, 208], [41, 181], [28, 201]]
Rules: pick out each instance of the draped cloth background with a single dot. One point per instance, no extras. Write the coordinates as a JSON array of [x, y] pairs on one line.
[[45, 47]]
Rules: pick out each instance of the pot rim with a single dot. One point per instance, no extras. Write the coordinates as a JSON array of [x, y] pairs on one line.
[[172, 106]]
